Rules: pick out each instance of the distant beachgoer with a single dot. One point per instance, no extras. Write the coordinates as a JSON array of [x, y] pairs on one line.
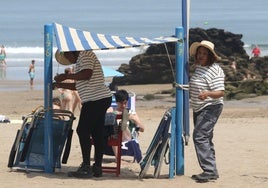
[[70, 99], [76, 101], [32, 72], [256, 51], [3, 55], [76, 98], [67, 95], [233, 65], [56, 103], [2, 72]]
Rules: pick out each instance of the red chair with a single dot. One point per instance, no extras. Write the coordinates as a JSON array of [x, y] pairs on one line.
[[115, 142]]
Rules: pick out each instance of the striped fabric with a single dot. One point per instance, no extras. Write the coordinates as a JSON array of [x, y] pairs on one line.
[[70, 39], [206, 78]]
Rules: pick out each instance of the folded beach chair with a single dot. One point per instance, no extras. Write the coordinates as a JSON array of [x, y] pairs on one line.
[[28, 150], [158, 148]]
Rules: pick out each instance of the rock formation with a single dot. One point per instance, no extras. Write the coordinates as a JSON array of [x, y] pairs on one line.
[[244, 77]]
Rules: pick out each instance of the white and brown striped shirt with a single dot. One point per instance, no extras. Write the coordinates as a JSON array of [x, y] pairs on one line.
[[206, 78], [95, 88]]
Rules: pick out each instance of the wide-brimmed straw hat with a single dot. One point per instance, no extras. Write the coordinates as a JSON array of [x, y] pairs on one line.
[[61, 58], [207, 44]]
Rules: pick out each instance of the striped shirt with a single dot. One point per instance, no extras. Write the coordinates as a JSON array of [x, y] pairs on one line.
[[93, 89], [206, 78]]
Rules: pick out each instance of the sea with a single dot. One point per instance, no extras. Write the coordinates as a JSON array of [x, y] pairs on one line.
[[22, 26]]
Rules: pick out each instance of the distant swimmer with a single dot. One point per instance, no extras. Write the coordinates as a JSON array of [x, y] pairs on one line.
[[3, 55]]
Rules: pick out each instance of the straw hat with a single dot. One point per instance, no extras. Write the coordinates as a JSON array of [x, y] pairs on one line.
[[61, 58], [207, 44]]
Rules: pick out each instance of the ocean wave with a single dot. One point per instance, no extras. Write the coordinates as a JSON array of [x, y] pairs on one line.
[[24, 50], [40, 50], [22, 56], [252, 45]]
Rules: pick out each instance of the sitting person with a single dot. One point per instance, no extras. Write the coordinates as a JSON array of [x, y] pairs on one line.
[[134, 124]]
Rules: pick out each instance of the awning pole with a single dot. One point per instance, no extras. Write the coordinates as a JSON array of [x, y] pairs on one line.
[[48, 132], [185, 25], [179, 102]]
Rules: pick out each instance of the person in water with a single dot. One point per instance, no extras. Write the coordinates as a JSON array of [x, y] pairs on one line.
[[32, 72], [3, 56]]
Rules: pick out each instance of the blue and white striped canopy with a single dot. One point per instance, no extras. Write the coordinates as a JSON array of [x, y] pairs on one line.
[[70, 39]]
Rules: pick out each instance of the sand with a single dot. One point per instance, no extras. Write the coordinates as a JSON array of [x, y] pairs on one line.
[[240, 140]]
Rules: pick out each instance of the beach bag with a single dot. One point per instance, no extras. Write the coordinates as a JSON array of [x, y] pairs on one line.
[[110, 124], [110, 119]]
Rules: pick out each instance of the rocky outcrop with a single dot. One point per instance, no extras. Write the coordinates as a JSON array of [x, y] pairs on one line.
[[244, 77]]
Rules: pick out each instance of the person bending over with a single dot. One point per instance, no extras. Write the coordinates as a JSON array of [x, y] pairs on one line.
[[96, 98]]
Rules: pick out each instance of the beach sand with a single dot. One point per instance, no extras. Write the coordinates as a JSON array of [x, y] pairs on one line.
[[240, 140]]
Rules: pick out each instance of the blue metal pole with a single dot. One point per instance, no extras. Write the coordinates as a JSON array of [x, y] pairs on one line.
[[179, 102], [172, 144], [48, 132], [185, 21]]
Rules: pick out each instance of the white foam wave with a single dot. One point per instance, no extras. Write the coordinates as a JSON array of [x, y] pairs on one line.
[[24, 50], [21, 56], [40, 50]]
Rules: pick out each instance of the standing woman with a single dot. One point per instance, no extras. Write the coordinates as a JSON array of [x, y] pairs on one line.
[[206, 94], [96, 98]]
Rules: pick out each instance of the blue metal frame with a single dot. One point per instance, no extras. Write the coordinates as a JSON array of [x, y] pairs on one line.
[[172, 144], [180, 127], [186, 126], [48, 140], [179, 102], [181, 123]]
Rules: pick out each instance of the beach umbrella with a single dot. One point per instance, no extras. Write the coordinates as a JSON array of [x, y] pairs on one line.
[[109, 72]]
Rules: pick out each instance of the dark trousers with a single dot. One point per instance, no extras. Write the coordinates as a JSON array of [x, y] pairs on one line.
[[204, 123], [91, 123]]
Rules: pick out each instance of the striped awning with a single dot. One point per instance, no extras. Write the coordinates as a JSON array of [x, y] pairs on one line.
[[70, 39]]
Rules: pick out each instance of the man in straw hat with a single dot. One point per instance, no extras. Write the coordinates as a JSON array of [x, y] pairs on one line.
[[206, 94], [96, 98]]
